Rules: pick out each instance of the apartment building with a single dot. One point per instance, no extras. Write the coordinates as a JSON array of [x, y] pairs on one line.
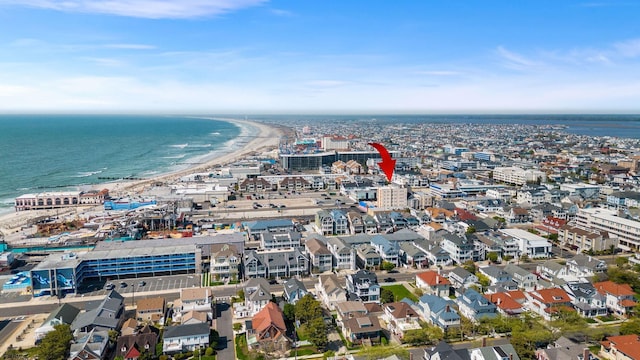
[[627, 231], [390, 197], [517, 176]]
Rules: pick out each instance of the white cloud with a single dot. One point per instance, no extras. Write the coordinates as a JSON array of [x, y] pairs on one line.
[[150, 9], [629, 48], [514, 60]]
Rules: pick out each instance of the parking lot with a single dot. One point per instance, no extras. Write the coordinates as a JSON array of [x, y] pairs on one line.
[[158, 283]]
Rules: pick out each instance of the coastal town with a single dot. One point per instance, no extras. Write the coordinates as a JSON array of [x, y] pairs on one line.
[[489, 241]]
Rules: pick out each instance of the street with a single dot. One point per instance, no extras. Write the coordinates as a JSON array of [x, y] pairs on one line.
[[223, 323]]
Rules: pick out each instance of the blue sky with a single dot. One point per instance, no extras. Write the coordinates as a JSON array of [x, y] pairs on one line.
[[319, 56]]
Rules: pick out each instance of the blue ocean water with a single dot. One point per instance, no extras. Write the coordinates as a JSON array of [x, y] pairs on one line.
[[52, 152]]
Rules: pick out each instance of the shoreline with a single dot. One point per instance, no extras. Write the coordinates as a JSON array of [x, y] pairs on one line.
[[262, 138]]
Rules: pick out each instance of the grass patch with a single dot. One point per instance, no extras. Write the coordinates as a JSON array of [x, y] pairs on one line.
[[216, 283], [590, 320], [400, 292], [304, 352], [595, 349], [607, 318], [241, 347]]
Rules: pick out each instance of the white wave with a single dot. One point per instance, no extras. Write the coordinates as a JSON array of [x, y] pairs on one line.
[[175, 157], [87, 174], [23, 189], [180, 146], [215, 133], [200, 145]]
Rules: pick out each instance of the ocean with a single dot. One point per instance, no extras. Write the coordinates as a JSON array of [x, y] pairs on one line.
[[57, 152]]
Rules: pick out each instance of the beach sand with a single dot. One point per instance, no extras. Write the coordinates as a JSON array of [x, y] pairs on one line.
[[263, 138]]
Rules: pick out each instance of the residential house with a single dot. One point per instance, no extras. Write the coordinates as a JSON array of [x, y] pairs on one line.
[[346, 310], [320, 257], [329, 291], [332, 222], [433, 283], [461, 278], [150, 309], [460, 248], [434, 253], [255, 228], [367, 257], [344, 256], [474, 306], [64, 314], [547, 302], [621, 347], [438, 311], [532, 245], [267, 331], [363, 285], [587, 301], [388, 250], [257, 294], [495, 274], [196, 299], [194, 317], [400, 318], [91, 345], [294, 183], [283, 240], [182, 338], [551, 269], [134, 345], [584, 266], [564, 348], [256, 184], [370, 224], [225, 261], [294, 290], [129, 327], [279, 263], [106, 314], [620, 298], [444, 351], [517, 215], [509, 303], [356, 224], [364, 329], [526, 280], [411, 255]]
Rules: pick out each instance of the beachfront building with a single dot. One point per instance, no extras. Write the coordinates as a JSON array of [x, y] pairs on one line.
[[58, 200], [58, 274], [517, 176], [627, 231]]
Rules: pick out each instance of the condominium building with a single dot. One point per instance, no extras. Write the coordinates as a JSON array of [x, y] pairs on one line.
[[627, 231], [392, 197], [517, 176]]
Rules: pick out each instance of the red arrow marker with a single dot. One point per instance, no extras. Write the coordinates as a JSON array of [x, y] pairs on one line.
[[387, 164]]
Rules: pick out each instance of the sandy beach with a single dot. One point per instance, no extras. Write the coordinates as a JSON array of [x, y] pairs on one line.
[[262, 137]]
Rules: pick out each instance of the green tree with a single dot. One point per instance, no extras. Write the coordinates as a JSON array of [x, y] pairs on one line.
[[289, 311], [316, 331], [381, 352], [196, 353], [56, 344], [386, 296], [388, 266], [418, 292], [630, 327], [307, 308], [429, 334], [622, 262], [237, 326], [214, 338], [470, 266], [241, 294], [470, 230], [208, 351], [483, 280], [493, 257]]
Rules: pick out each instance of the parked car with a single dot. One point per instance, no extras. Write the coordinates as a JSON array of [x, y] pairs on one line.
[[109, 286], [142, 283], [389, 279], [123, 285]]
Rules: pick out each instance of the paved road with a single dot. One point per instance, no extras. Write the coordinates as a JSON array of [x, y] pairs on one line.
[[5, 333], [226, 349]]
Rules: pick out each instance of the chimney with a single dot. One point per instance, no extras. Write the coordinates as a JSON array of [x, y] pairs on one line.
[[510, 356], [446, 309], [586, 355], [437, 279], [484, 342]]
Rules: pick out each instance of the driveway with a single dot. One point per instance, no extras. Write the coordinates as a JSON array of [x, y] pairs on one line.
[[224, 324]]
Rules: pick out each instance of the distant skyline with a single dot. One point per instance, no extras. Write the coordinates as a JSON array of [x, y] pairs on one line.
[[292, 56]]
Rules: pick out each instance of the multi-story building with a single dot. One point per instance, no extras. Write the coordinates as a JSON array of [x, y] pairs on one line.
[[627, 231], [284, 240], [391, 197], [585, 239], [225, 261], [319, 255], [344, 255], [460, 248], [363, 285], [332, 222], [388, 250], [517, 176], [532, 245], [280, 263]]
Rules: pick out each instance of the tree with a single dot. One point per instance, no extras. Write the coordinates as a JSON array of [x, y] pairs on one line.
[[56, 344], [621, 262], [470, 266], [237, 326], [470, 230], [196, 353], [630, 327], [214, 338], [241, 294], [483, 280], [418, 292], [429, 334], [316, 331], [386, 296], [388, 266], [208, 351], [493, 257], [289, 311], [381, 352], [307, 308]]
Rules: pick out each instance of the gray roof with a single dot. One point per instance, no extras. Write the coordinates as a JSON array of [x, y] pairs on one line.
[[105, 315], [460, 272], [292, 285], [65, 313], [186, 330]]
